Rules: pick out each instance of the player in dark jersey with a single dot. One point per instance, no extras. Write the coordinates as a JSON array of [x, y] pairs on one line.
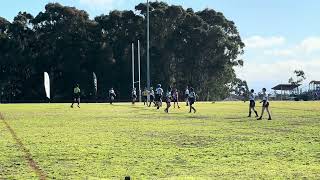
[[168, 100], [192, 100], [175, 98]]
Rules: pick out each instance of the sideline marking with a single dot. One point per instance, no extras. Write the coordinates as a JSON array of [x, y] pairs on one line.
[[27, 155]]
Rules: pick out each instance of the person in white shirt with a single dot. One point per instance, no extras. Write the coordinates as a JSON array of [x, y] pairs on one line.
[[265, 105], [159, 94], [134, 95], [252, 103], [192, 100], [186, 95], [151, 96], [112, 95]]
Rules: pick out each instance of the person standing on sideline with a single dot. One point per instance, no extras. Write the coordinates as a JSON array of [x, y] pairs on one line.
[[112, 95], [252, 104], [175, 98], [265, 105], [159, 94], [76, 95], [145, 93], [186, 95], [134, 95], [151, 96]]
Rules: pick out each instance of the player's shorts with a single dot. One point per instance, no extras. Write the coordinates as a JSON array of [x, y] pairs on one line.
[[145, 98], [134, 96], [191, 100], [158, 97], [265, 104], [252, 104], [76, 96], [186, 96]]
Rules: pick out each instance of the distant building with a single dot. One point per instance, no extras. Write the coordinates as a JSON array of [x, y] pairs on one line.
[[287, 91], [314, 85]]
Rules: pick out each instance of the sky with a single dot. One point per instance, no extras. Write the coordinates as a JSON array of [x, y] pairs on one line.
[[280, 35]]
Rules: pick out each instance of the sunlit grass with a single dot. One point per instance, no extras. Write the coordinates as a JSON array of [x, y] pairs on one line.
[[111, 142]]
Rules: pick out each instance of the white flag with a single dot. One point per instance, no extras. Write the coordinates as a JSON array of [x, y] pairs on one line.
[[47, 84], [95, 82]]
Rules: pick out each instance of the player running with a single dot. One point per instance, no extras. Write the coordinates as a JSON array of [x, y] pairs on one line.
[[175, 98], [265, 105], [192, 99], [151, 96], [159, 94], [134, 95], [168, 100], [112, 95], [186, 96], [145, 93], [252, 104], [76, 95]]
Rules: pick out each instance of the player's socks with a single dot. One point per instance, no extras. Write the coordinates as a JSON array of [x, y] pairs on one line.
[[256, 113], [249, 114]]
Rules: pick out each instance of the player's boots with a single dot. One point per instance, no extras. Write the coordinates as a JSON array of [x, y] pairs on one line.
[[249, 114], [260, 118], [269, 118]]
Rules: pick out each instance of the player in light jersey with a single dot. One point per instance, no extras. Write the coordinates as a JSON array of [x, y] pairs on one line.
[[134, 95], [168, 100], [186, 96], [76, 95], [112, 95], [151, 96], [145, 96], [192, 99], [159, 94], [265, 105], [252, 104]]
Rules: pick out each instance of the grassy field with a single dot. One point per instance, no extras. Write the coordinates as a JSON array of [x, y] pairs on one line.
[[100, 141]]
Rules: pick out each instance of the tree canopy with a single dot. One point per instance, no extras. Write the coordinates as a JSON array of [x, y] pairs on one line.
[[198, 49]]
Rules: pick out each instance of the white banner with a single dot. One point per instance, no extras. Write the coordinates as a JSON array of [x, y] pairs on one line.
[[95, 82], [47, 84]]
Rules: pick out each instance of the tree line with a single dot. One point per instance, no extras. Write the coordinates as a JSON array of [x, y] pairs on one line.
[[199, 49]]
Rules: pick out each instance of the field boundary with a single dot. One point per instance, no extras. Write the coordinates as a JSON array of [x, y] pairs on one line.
[[27, 155]]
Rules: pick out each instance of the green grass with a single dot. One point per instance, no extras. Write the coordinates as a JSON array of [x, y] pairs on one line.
[[101, 141]]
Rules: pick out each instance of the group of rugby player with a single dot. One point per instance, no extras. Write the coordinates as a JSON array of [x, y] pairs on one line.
[[172, 95], [265, 104]]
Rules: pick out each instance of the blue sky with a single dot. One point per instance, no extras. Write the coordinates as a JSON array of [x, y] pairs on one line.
[[281, 35]]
